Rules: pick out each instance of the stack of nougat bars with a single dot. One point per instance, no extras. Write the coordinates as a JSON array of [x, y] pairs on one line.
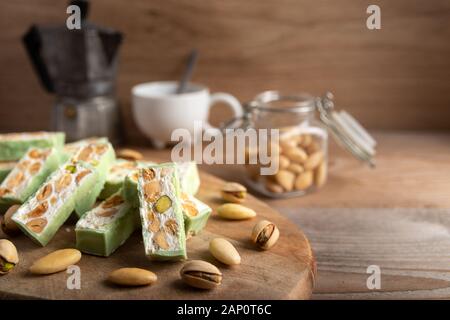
[[110, 197]]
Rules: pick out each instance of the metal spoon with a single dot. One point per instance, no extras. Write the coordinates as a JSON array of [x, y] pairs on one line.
[[193, 57]]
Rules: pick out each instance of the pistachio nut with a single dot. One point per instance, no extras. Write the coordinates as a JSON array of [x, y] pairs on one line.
[[9, 227], [233, 211], [295, 168], [313, 147], [163, 204], [224, 251], [234, 192], [8, 256], [132, 277], [320, 175], [201, 274], [287, 143], [306, 140], [296, 154], [265, 234], [273, 187], [283, 162], [129, 154], [304, 180], [313, 160], [285, 179], [56, 261]]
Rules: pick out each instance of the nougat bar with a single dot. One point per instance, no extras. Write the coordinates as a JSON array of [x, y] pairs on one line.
[[189, 178], [14, 145], [106, 227], [195, 214], [29, 173], [42, 215], [187, 173], [5, 168], [117, 174], [70, 149], [100, 155], [161, 213]]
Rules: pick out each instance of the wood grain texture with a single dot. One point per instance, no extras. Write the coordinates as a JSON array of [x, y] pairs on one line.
[[396, 77], [395, 216], [287, 271], [410, 246]]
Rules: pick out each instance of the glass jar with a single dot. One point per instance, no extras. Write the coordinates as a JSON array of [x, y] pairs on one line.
[[301, 149]]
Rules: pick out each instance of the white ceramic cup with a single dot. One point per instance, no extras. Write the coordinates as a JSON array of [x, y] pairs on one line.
[[158, 110]]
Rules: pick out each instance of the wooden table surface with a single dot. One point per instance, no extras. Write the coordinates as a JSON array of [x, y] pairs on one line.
[[396, 216]]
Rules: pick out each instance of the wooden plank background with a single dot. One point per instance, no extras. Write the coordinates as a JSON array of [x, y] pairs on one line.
[[397, 77]]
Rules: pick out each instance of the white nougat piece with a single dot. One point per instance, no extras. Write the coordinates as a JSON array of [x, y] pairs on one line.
[[161, 214]]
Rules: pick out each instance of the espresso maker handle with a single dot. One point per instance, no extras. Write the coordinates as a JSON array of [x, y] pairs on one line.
[[33, 45]]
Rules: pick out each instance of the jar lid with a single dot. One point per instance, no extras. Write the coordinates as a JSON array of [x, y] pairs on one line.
[[346, 130]]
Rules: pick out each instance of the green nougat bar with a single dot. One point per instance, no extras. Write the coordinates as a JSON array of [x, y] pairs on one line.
[[101, 156], [70, 149], [189, 178], [129, 190], [14, 145], [195, 213], [106, 227], [117, 174], [5, 168], [188, 170], [28, 175], [42, 215], [161, 213]]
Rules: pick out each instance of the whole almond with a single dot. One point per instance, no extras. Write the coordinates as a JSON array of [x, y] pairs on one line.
[[201, 274], [313, 147], [287, 143], [304, 180], [306, 140], [295, 168], [313, 160], [234, 211], [129, 154], [284, 162], [296, 154], [274, 187], [285, 179], [224, 251], [56, 261], [9, 227], [320, 175], [265, 234], [132, 277]]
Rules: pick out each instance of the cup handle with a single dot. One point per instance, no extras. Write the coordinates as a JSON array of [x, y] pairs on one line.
[[228, 99]]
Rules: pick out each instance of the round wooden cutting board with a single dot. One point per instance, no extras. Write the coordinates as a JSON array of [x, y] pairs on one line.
[[286, 271]]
